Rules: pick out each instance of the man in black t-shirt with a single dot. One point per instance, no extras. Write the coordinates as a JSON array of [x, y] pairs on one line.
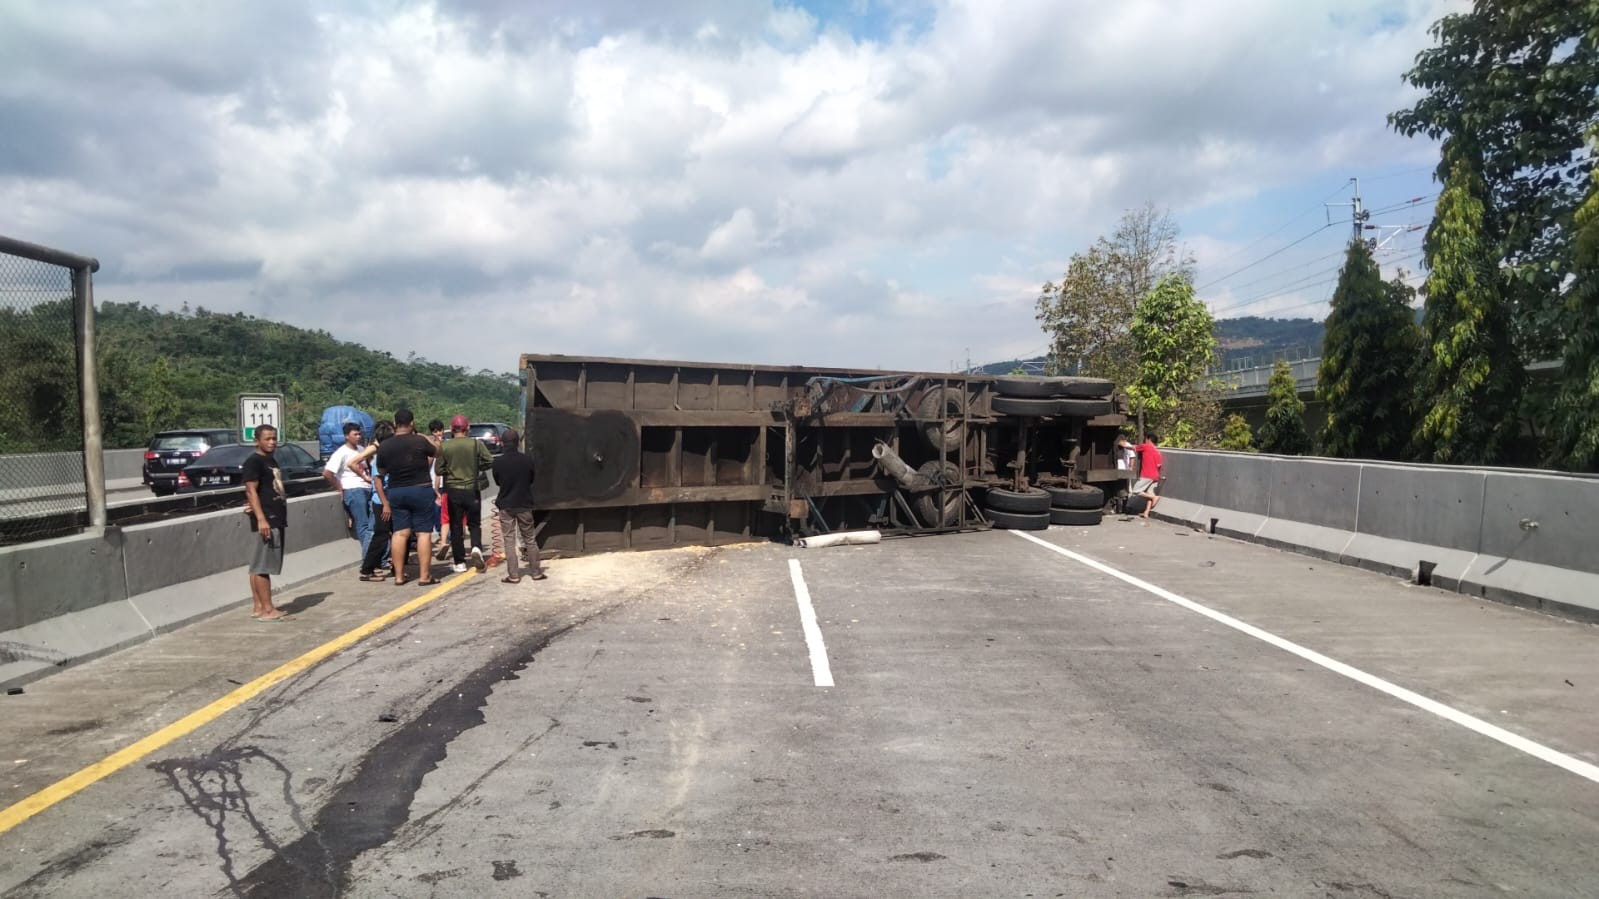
[[410, 495], [513, 472], [269, 515]]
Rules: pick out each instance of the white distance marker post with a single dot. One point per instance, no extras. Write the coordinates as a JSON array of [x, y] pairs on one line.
[[1470, 722], [813, 633]]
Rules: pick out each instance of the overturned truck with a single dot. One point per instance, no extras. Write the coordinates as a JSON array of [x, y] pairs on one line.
[[641, 454]]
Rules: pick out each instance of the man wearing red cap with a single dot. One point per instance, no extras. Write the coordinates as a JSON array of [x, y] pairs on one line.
[[462, 461]]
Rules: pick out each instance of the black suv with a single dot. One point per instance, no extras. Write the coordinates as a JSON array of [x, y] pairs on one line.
[[489, 432], [172, 451]]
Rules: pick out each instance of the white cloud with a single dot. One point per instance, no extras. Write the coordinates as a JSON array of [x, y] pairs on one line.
[[717, 179]]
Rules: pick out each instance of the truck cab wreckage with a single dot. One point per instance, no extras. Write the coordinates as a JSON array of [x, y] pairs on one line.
[[643, 454]]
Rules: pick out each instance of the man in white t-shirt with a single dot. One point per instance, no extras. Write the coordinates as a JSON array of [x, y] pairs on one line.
[[354, 483]]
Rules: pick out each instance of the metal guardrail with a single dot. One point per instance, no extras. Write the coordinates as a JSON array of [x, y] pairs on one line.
[[1248, 382]]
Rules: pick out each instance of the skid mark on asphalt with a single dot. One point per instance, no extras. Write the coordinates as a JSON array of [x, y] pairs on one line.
[[367, 810], [1448, 713]]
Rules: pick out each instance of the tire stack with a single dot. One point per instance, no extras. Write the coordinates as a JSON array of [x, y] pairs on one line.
[[1028, 397], [1076, 506], [1017, 510]]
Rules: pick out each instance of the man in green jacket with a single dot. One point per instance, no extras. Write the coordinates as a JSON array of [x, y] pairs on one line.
[[462, 459]]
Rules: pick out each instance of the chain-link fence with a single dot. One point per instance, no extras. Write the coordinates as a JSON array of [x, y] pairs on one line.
[[43, 480]]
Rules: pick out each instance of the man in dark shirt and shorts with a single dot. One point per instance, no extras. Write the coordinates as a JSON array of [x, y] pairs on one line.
[[409, 497], [269, 516]]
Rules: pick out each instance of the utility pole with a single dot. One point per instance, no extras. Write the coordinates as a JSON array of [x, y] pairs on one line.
[[1358, 217]]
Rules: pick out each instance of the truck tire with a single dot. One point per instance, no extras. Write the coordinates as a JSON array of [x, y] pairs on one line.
[[1077, 408], [943, 436], [1029, 387], [1034, 501], [1076, 497], [1018, 521], [1026, 407], [1075, 517], [1135, 505], [926, 505], [1087, 388]]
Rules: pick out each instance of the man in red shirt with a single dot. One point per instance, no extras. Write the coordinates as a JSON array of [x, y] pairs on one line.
[[1151, 472]]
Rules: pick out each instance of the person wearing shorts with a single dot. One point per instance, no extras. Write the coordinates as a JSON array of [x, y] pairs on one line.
[[1151, 473], [409, 497], [268, 509]]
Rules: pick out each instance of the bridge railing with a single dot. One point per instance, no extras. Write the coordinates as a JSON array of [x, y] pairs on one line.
[[49, 395]]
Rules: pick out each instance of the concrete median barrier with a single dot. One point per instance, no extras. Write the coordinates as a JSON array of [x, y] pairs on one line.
[[1313, 507], [1238, 492], [75, 598], [1521, 537], [1538, 545], [1414, 520], [1183, 495]]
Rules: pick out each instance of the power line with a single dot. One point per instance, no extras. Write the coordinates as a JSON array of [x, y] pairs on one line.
[[1292, 268], [1275, 252], [1407, 204], [1280, 228], [1296, 287]]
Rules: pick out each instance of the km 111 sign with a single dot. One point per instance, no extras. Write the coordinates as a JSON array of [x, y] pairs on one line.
[[257, 409]]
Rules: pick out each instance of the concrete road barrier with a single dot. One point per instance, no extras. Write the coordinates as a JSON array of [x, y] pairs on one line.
[[1521, 537], [75, 598]]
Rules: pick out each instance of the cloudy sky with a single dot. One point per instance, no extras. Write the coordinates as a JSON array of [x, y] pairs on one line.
[[834, 182]]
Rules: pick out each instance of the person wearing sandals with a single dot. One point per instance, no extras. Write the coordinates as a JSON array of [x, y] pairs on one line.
[[269, 517], [409, 497], [513, 472]]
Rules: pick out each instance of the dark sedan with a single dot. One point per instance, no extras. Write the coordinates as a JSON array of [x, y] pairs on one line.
[[490, 433], [223, 467], [172, 451]]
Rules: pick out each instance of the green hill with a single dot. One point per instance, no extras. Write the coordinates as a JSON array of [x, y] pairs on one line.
[[1260, 340], [171, 370]]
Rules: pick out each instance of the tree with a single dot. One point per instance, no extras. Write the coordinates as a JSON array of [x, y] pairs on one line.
[[1470, 377], [1366, 356], [1236, 436], [1089, 314], [1576, 434], [1284, 430], [1175, 338], [1518, 80], [158, 400]]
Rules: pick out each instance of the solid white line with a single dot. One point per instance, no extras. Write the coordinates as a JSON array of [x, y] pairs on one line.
[[813, 632], [1470, 722]]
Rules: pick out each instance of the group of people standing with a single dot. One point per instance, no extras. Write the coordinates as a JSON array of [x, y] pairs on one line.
[[406, 490]]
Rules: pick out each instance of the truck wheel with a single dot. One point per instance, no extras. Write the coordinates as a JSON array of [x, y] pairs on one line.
[[946, 435], [1076, 497], [1087, 388], [1029, 387], [1018, 521], [1077, 408], [1135, 505], [1026, 408], [1035, 500], [926, 505], [1075, 516]]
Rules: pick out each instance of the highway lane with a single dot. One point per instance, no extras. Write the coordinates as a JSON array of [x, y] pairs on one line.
[[1004, 721]]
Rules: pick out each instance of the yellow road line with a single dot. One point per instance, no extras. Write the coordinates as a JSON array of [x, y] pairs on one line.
[[186, 725]]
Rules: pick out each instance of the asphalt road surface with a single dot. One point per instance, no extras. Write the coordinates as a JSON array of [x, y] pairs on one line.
[[1003, 720]]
